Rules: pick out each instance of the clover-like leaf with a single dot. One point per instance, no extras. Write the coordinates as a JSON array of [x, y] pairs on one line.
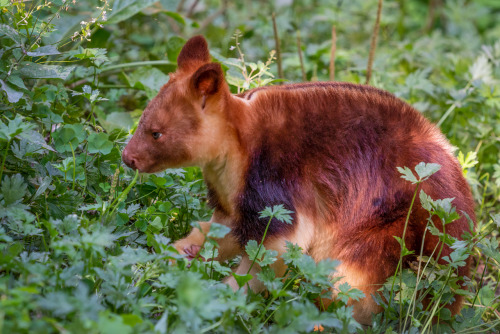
[[69, 136], [99, 143]]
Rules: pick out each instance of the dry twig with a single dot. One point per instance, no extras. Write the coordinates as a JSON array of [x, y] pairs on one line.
[[299, 49], [332, 54], [373, 45], [278, 49]]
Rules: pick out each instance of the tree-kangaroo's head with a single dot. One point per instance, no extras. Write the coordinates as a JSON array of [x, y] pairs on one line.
[[184, 124]]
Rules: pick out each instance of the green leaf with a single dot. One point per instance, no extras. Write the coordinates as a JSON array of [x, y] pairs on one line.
[[263, 257], [16, 81], [47, 50], [425, 170], [405, 251], [151, 78], [218, 231], [496, 219], [112, 323], [68, 134], [486, 295], [293, 253], [15, 127], [242, 279], [123, 9], [35, 138], [13, 94], [156, 223], [96, 55], [278, 212], [117, 120], [38, 71], [99, 143], [10, 33], [407, 174], [174, 46], [13, 189], [176, 16]]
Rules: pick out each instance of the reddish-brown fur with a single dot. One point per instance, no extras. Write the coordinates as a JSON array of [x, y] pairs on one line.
[[327, 151]]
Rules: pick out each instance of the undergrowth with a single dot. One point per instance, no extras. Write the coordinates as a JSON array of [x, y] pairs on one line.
[[86, 244]]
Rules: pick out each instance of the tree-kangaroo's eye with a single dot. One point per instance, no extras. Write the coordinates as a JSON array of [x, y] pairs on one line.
[[156, 135]]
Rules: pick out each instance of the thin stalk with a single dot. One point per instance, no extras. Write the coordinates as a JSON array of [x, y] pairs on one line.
[[373, 44], [481, 281], [400, 263], [299, 50], [4, 158], [74, 166], [278, 48], [451, 108], [436, 308], [419, 278], [332, 54], [260, 245], [123, 195], [136, 64], [273, 299]]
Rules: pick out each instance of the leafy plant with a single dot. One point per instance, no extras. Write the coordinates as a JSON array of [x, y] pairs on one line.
[[86, 243]]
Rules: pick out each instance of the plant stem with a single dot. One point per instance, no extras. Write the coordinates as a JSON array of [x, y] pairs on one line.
[[299, 50], [136, 64], [4, 158], [481, 281], [74, 165], [332, 54], [123, 195], [403, 244], [260, 246], [373, 44], [278, 49], [274, 298]]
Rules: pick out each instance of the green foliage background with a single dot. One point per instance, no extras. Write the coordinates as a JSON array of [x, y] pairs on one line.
[[86, 244]]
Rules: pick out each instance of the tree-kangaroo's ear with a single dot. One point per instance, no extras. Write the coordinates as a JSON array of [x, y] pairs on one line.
[[194, 53], [207, 80]]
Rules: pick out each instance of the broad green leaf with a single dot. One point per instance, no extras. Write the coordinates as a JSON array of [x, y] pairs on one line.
[[47, 50], [151, 78], [16, 81], [13, 189], [13, 94], [407, 174], [425, 170], [68, 134], [112, 323], [218, 231], [156, 223], [242, 279], [174, 46], [96, 55], [117, 120], [38, 71], [16, 126], [35, 138], [11, 33], [123, 9], [99, 143]]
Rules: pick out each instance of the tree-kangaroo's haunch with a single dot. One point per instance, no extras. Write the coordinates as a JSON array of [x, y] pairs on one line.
[[328, 151]]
